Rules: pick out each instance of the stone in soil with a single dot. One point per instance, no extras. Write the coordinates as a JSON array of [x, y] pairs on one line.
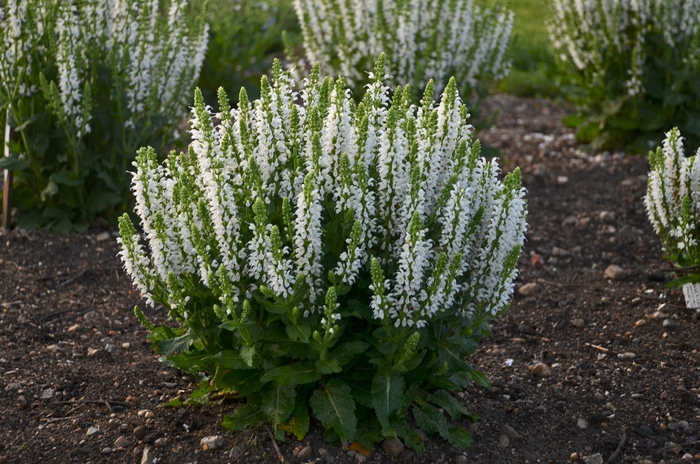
[[461, 460], [615, 272], [325, 455], [509, 431], [160, 442], [581, 423], [305, 453], [140, 432], [607, 216], [92, 431], [540, 370], [392, 447], [599, 397], [48, 394], [122, 442], [578, 323], [529, 289], [504, 441], [211, 442], [149, 456], [593, 459], [106, 450]]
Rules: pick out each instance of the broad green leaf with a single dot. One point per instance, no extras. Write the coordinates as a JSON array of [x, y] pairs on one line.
[[248, 354], [13, 163], [480, 378], [66, 178], [387, 396], [334, 407], [293, 374], [244, 381], [174, 345], [243, 417], [431, 420], [300, 332], [229, 359], [344, 353], [361, 391], [369, 433], [277, 402], [588, 132], [573, 121], [174, 403], [327, 366], [299, 424], [449, 403]]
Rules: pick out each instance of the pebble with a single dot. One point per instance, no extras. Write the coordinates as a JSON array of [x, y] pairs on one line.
[[48, 394], [574, 456], [406, 455], [392, 447], [462, 459], [92, 351], [668, 324], [559, 252], [593, 459], [13, 386], [52, 348], [92, 431], [581, 423], [615, 272], [578, 323], [160, 442], [504, 441], [110, 348], [509, 431], [149, 456], [149, 415], [73, 328], [106, 450], [529, 289], [122, 442], [540, 370], [126, 345], [328, 457], [570, 221], [599, 397], [627, 355], [561, 180], [142, 412], [636, 396], [140, 432], [687, 457], [529, 456], [606, 216], [658, 315], [211, 442], [305, 453], [674, 448], [646, 431]]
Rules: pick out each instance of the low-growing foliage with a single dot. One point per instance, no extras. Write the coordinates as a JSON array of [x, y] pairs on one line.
[[633, 68], [328, 258], [673, 205], [86, 83], [422, 41]]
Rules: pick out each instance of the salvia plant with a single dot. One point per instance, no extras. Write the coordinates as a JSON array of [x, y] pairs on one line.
[[673, 205], [632, 68], [84, 84], [422, 39], [328, 258]]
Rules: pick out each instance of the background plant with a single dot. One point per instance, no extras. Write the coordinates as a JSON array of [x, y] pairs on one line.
[[422, 41], [633, 68], [328, 255], [86, 83], [673, 204], [245, 36]]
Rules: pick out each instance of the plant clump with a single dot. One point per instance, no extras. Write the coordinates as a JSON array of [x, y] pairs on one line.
[[84, 84], [673, 205], [632, 68], [328, 258]]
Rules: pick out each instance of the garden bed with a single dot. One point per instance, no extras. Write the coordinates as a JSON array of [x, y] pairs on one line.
[[77, 374]]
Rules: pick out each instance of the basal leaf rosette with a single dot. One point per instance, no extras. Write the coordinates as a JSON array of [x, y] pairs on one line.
[[327, 258], [673, 204]]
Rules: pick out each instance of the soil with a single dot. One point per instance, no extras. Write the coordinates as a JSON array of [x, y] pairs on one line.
[[621, 366]]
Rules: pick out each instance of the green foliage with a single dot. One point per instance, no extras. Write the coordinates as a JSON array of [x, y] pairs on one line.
[[631, 70], [83, 86], [331, 259]]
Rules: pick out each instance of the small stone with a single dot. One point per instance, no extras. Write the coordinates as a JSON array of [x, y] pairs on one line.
[[559, 252], [160, 442], [237, 452], [615, 272], [211, 442], [305, 453], [73, 328], [126, 345], [325, 455], [504, 441], [606, 216], [392, 447], [637, 396], [593, 459], [140, 432], [574, 456], [101, 237], [149, 456], [406, 455], [13, 386], [599, 397], [571, 221], [581, 423], [540, 370], [122, 442], [674, 448], [529, 289], [48, 394], [658, 315], [509, 431], [561, 180], [92, 351], [149, 415], [628, 355], [461, 459], [92, 431], [668, 324], [106, 450], [537, 261], [52, 348], [687, 457], [110, 348], [578, 323], [646, 431], [529, 456]]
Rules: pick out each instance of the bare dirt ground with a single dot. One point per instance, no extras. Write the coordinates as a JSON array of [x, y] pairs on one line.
[[78, 382]]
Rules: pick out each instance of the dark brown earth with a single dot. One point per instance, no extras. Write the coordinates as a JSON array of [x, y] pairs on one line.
[[622, 381]]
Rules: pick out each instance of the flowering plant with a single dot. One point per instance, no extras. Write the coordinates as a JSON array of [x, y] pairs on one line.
[[85, 83], [320, 253], [673, 204], [422, 40], [632, 66]]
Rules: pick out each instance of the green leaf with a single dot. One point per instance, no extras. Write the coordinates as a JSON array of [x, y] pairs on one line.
[[300, 422], [588, 132], [174, 403], [100, 201], [67, 178], [229, 360], [243, 417], [327, 366], [244, 381], [573, 121], [293, 374], [344, 353], [387, 396], [277, 402], [449, 403], [369, 433], [334, 407], [361, 391], [479, 377], [300, 332], [13, 163], [174, 345], [431, 420]]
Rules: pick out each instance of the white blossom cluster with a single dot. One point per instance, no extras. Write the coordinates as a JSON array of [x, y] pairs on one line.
[[303, 190], [153, 59], [673, 197], [422, 39], [590, 32]]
